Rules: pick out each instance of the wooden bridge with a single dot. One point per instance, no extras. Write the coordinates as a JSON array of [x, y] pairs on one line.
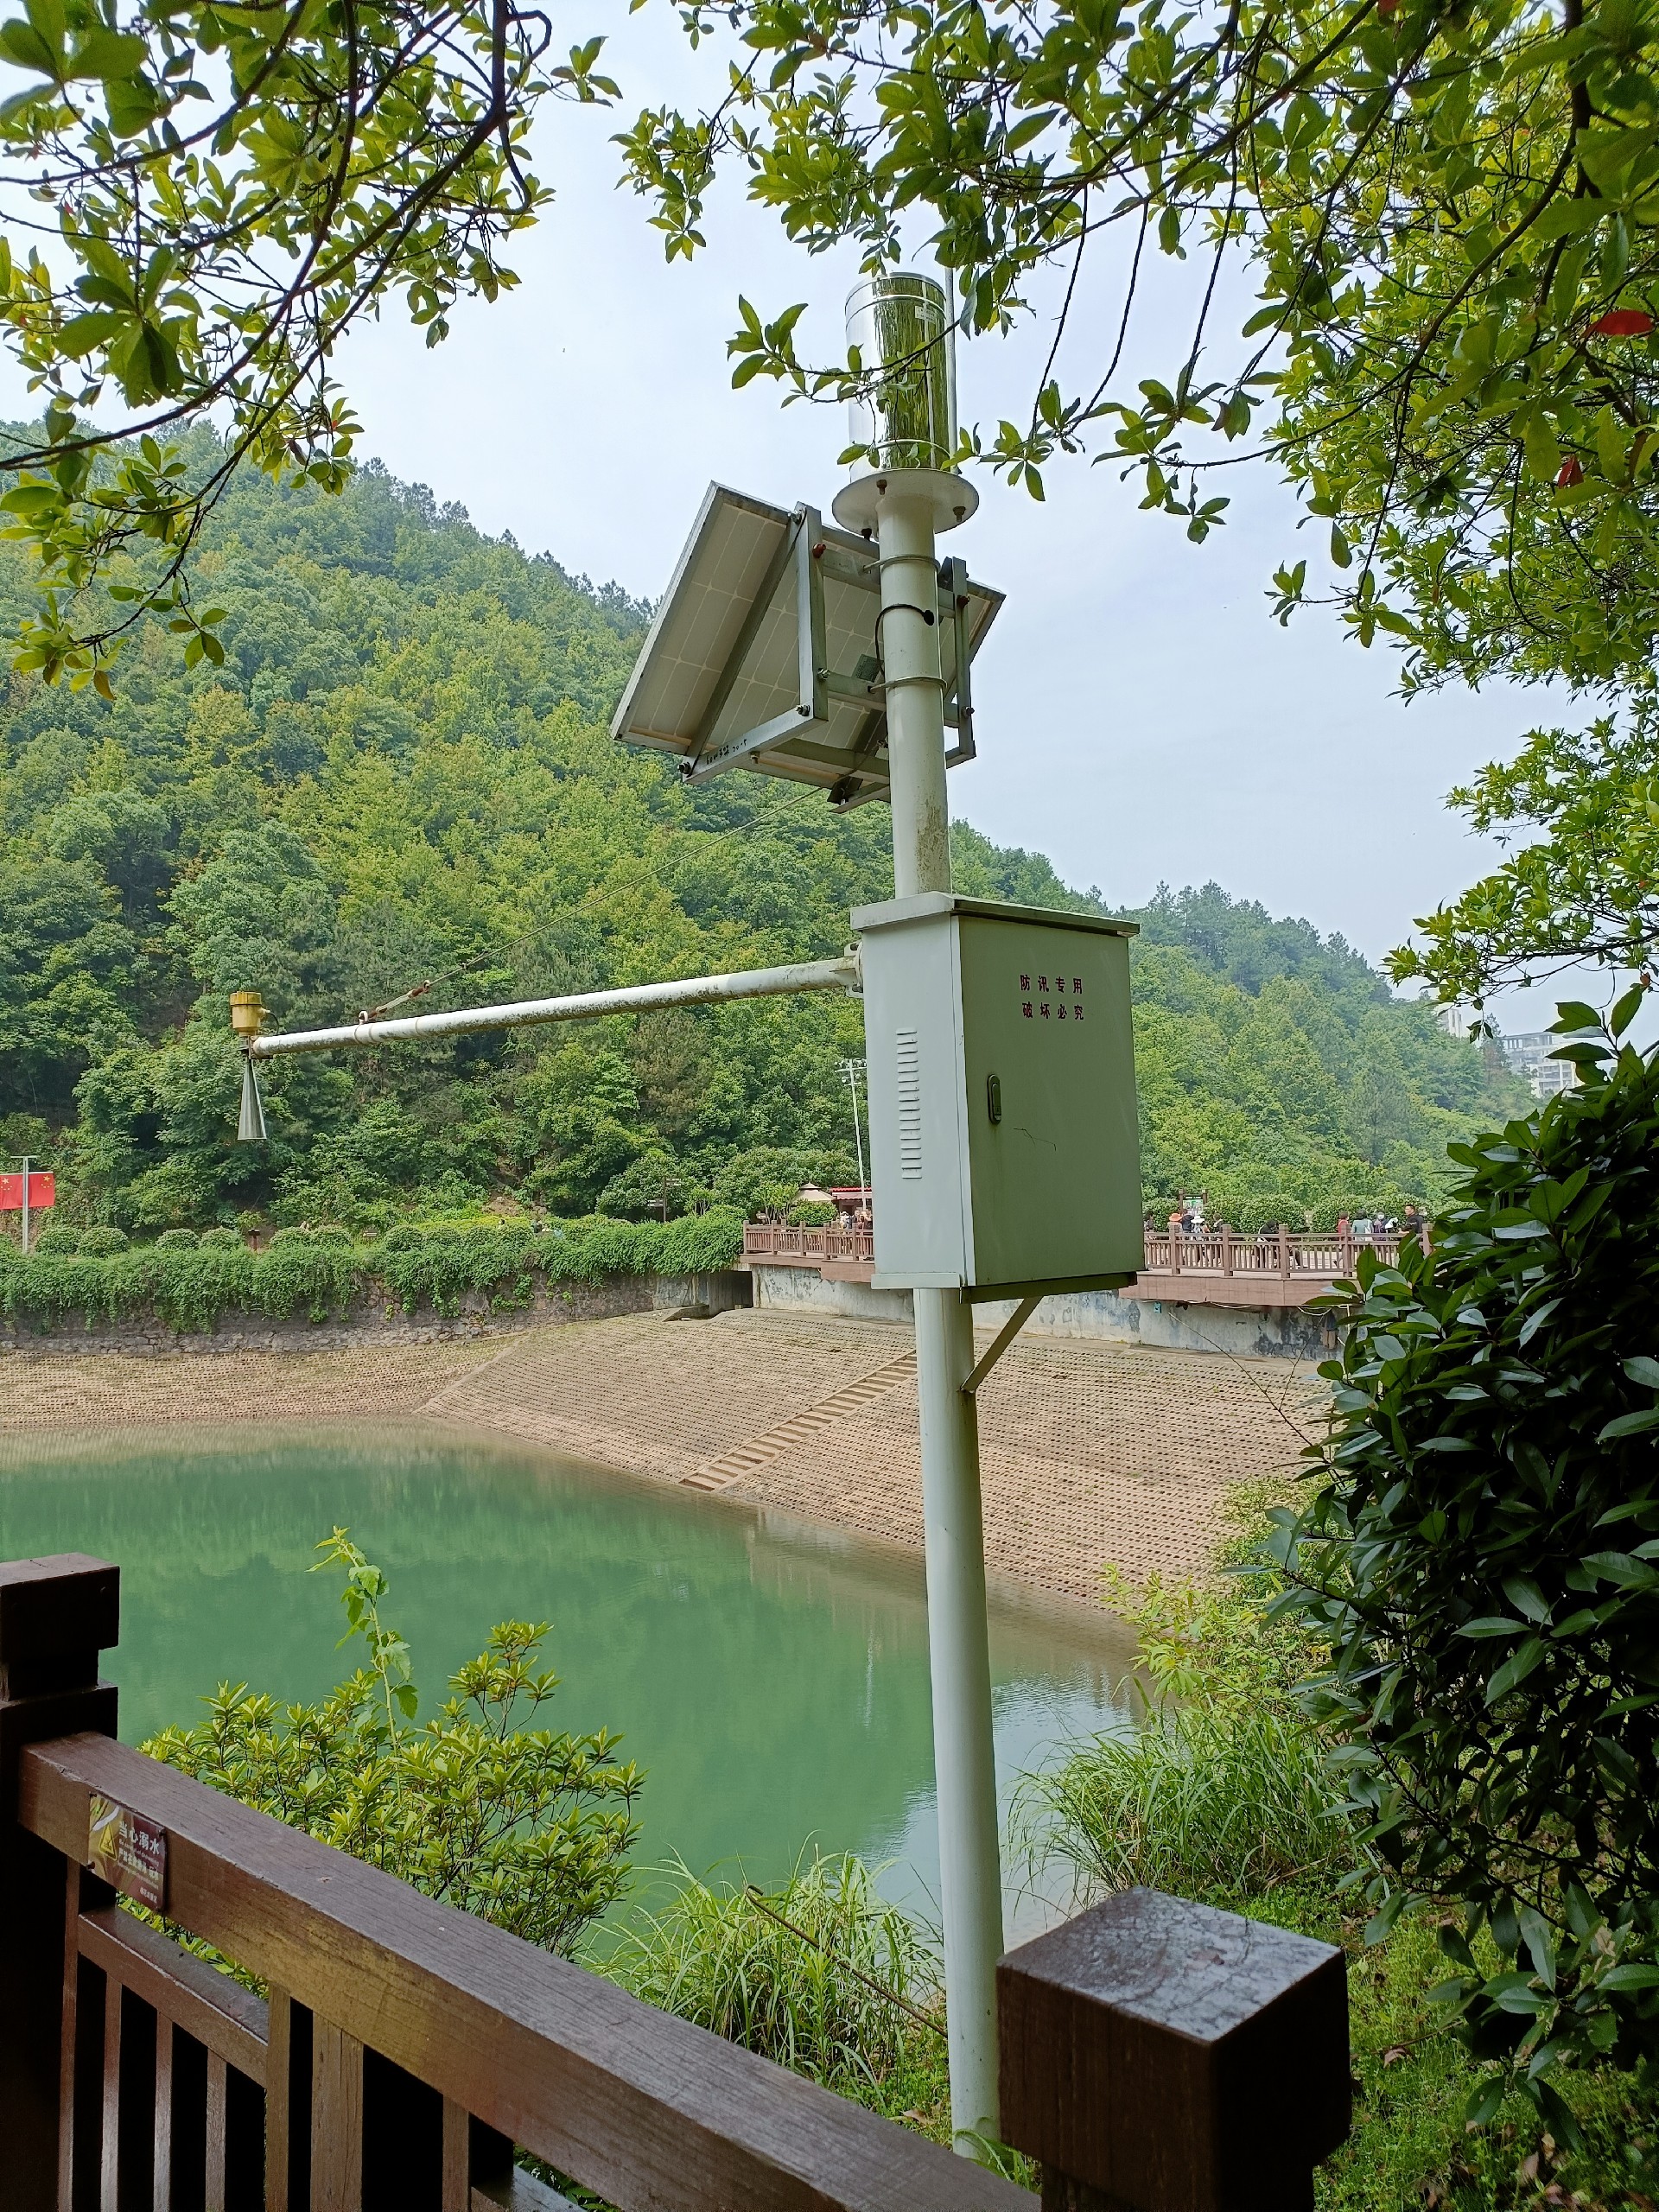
[[1222, 1267], [1156, 2057]]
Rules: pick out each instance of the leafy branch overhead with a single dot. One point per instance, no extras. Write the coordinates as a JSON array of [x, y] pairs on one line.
[[203, 199], [1585, 891], [1421, 269]]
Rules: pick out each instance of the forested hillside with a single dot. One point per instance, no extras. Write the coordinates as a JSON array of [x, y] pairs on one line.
[[402, 766]]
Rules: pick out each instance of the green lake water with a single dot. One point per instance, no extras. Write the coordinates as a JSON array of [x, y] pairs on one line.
[[769, 1675]]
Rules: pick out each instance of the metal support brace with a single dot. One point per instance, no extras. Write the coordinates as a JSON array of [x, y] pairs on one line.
[[1000, 1343]]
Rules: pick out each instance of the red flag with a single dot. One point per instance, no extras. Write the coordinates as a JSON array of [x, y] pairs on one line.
[[42, 1193]]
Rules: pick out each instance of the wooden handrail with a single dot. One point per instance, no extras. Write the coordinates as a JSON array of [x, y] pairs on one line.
[[639, 2107], [407, 2048]]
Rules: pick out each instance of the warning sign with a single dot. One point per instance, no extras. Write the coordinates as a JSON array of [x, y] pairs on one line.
[[128, 1851]]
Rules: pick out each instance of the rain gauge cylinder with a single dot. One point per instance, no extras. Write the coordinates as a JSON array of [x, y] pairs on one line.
[[898, 326]]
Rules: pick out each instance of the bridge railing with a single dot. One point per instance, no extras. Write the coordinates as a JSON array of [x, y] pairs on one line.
[[789, 1242], [1156, 2057], [1288, 1255], [1282, 1252]]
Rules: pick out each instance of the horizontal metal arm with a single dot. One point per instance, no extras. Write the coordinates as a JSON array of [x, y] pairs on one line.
[[841, 974]]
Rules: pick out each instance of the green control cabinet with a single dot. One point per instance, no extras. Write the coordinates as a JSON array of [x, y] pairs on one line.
[[1004, 1140]]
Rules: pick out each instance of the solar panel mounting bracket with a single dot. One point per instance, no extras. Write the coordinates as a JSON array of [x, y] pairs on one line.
[[746, 664]]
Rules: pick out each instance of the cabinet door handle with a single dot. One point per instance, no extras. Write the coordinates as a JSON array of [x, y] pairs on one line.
[[994, 1098]]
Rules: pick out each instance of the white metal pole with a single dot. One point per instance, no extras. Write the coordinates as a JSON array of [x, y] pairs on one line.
[[25, 1206], [582, 1005], [970, 1872], [850, 1069]]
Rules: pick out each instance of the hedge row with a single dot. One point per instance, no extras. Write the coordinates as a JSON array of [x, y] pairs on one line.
[[320, 1272]]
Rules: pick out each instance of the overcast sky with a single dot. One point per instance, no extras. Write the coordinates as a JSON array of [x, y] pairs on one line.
[[1141, 717]]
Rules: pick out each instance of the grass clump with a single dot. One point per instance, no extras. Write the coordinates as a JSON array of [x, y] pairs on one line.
[[824, 1975], [1230, 1794], [1225, 1784]]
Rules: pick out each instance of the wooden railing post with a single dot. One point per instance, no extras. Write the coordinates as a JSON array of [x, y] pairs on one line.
[[1284, 1253], [1161, 2057], [56, 1615]]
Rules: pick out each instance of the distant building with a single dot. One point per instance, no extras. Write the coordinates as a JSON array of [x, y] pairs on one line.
[[1454, 1019], [1528, 1056]]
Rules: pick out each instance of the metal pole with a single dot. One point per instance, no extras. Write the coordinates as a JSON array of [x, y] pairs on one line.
[[850, 1069], [25, 1206], [970, 1872], [691, 990]]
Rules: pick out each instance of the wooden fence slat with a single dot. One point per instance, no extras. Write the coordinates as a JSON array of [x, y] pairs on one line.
[[336, 2119], [635, 2104], [219, 2013], [109, 2194], [162, 2158], [83, 2061], [457, 2186], [288, 2117], [68, 2038], [217, 2133]]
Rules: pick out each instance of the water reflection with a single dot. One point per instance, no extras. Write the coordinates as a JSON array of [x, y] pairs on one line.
[[770, 1674]]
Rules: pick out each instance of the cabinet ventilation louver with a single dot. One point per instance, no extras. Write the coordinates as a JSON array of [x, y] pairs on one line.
[[910, 1105]]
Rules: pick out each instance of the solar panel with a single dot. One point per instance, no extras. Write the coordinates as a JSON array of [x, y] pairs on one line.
[[765, 653]]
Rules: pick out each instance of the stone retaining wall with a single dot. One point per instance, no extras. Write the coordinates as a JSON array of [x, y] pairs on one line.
[[1097, 1316], [371, 1322]]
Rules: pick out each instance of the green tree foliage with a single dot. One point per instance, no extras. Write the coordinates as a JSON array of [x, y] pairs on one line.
[[1422, 269], [1481, 1558], [526, 1828], [224, 195], [401, 774], [1586, 889], [1443, 220]]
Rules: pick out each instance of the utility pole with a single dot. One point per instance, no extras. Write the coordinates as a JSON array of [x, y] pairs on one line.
[[851, 1071], [910, 423]]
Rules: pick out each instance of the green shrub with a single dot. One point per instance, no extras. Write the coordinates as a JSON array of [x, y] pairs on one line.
[[179, 1240], [812, 1213], [722, 1957], [322, 1272], [1482, 1557], [526, 1828], [56, 1243], [99, 1243], [645, 1188], [1226, 1785], [768, 1177]]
